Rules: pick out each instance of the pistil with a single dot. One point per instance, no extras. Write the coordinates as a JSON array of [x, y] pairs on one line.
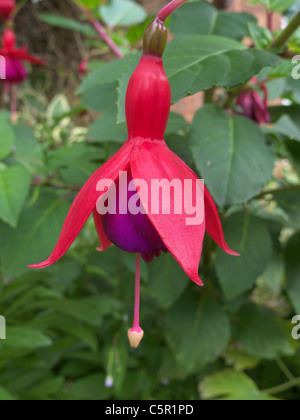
[[135, 334]]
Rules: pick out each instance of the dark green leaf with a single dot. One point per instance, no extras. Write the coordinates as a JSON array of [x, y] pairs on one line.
[[261, 335], [198, 330], [231, 155], [249, 236]]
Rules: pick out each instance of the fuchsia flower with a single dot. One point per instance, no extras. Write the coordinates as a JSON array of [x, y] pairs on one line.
[[7, 7], [83, 67], [145, 156], [14, 57], [253, 106]]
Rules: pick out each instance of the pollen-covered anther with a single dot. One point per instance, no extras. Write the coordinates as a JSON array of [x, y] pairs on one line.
[[135, 337]]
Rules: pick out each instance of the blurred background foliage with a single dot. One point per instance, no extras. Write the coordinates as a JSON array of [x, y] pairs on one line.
[[67, 325]]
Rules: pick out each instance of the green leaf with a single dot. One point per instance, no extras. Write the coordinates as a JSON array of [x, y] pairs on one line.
[[196, 63], [47, 388], [232, 386], [122, 13], [106, 129], [168, 280], [89, 310], [261, 335], [289, 201], [34, 239], [88, 388], [261, 36], [192, 63], [25, 338], [198, 330], [288, 127], [293, 271], [294, 151], [14, 187], [109, 73], [27, 144], [75, 163], [231, 155], [239, 359], [90, 4], [201, 18], [5, 395], [273, 276], [101, 98], [276, 5], [249, 236], [7, 137], [67, 23]]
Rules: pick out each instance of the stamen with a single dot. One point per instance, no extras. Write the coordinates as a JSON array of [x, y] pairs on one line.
[[135, 334]]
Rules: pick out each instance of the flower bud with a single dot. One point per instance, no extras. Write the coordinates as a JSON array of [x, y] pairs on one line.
[[7, 8], [155, 38], [135, 337]]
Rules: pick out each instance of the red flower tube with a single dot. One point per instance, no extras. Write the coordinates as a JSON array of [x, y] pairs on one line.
[[7, 7], [144, 156]]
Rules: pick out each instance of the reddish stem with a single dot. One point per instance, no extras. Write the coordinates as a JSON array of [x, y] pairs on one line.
[[99, 28], [270, 16], [136, 323], [170, 8]]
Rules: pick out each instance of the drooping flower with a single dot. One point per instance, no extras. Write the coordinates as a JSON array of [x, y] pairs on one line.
[[144, 156], [253, 105], [7, 7], [14, 57], [83, 67]]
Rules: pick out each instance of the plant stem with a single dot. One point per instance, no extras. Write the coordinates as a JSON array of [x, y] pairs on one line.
[[99, 28], [278, 190], [222, 4], [287, 33], [234, 93], [270, 16], [209, 96], [285, 370], [170, 8], [284, 387], [13, 103]]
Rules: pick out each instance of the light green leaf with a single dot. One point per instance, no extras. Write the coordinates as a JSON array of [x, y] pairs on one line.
[[67, 23], [276, 5], [239, 359], [233, 386], [5, 395], [261, 36], [122, 13], [7, 137], [14, 187]]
